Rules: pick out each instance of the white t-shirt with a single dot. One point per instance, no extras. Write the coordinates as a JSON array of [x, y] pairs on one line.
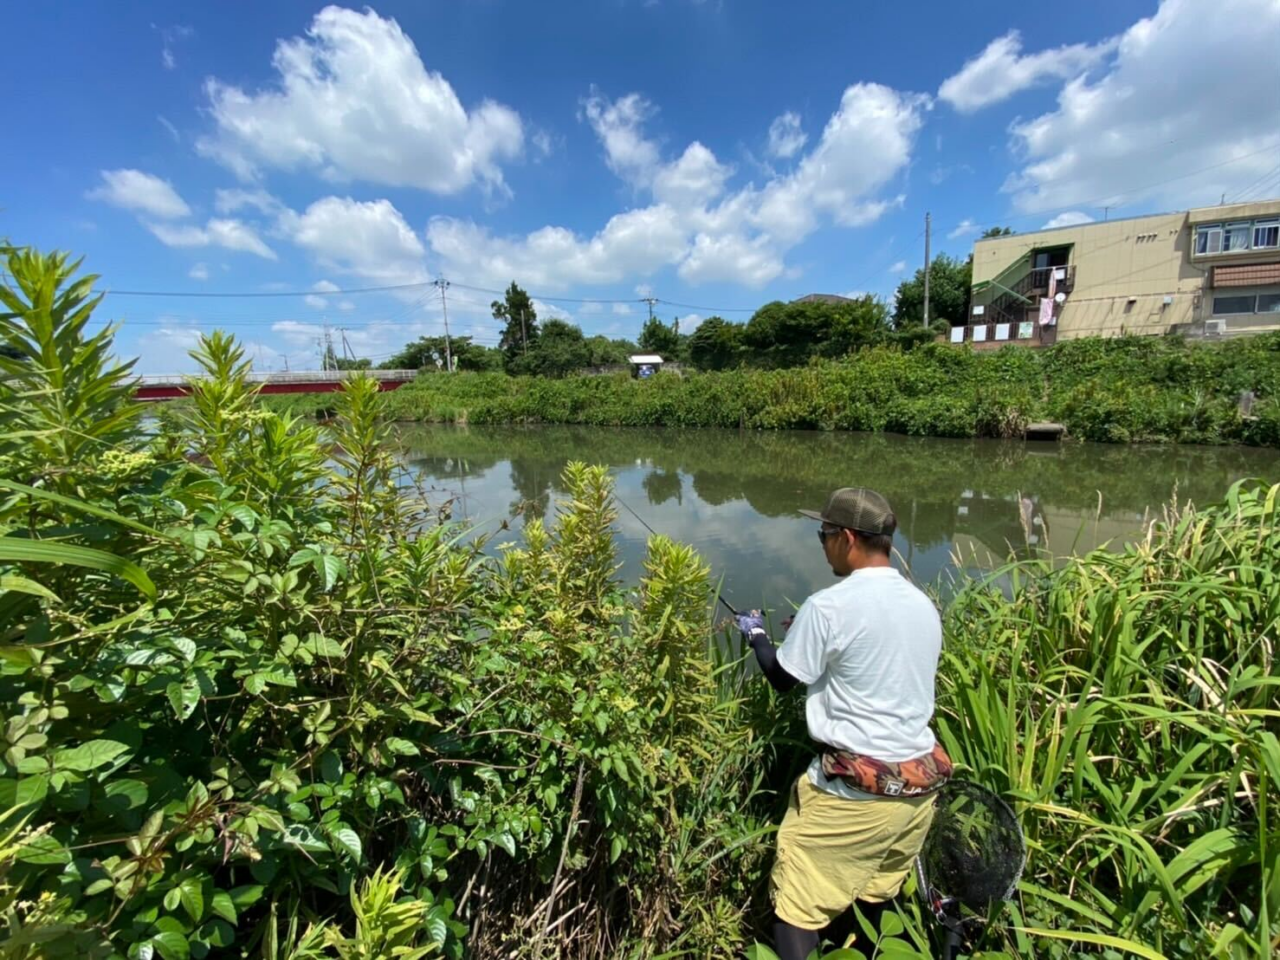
[[867, 648]]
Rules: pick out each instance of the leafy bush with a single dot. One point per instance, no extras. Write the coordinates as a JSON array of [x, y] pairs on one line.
[[258, 700]]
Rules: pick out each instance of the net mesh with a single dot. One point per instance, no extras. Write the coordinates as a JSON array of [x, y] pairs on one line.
[[974, 851]]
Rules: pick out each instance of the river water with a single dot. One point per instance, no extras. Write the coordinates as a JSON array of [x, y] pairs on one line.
[[962, 505]]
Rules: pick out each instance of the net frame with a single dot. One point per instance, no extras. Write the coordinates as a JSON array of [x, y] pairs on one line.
[[952, 879]]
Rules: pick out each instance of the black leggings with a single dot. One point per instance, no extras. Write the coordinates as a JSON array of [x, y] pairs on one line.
[[795, 943]]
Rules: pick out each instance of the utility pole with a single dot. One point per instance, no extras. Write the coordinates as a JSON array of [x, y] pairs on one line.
[[328, 347], [650, 301], [927, 227], [524, 333], [443, 285], [286, 362]]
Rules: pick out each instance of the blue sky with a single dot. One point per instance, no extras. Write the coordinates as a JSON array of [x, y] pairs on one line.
[[713, 155]]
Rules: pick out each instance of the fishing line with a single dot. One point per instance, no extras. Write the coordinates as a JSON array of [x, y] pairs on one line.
[[719, 596]]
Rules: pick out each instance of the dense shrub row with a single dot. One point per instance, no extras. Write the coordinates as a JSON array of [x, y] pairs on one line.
[[1116, 391]]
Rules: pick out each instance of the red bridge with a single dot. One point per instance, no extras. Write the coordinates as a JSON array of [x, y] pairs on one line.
[[168, 386]]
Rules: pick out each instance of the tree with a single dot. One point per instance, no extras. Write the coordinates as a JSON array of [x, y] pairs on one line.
[[788, 334], [996, 232], [605, 352], [429, 353], [561, 350], [716, 344], [949, 283], [521, 331], [657, 337]]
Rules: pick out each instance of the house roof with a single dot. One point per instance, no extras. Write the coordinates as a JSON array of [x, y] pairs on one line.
[[645, 358], [822, 298]]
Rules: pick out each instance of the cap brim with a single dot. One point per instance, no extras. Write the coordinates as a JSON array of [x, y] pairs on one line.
[[811, 514]]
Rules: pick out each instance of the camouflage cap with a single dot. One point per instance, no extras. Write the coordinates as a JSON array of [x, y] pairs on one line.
[[857, 508]]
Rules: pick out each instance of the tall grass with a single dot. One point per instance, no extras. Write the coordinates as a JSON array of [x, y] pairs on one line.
[[1128, 703]]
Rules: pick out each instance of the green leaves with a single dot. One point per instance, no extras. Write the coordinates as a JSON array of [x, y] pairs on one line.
[[89, 755], [329, 569], [183, 697], [18, 550], [345, 840]]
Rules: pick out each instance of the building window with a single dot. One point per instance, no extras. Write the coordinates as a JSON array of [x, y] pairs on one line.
[[1209, 238], [1269, 303], [1266, 233], [1223, 306], [1236, 236]]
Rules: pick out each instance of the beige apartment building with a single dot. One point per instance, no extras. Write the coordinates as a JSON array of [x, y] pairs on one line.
[[1213, 271]]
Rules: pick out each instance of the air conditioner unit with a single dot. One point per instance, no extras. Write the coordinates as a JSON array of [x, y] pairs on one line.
[[1215, 328]]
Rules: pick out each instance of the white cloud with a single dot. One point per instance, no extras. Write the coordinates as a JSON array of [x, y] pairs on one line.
[[355, 102], [899, 267], [1069, 219], [317, 302], [543, 145], [172, 130], [235, 199], [963, 229], [199, 272], [690, 322], [366, 238], [141, 193], [691, 223], [644, 290], [621, 309], [1167, 123], [786, 139], [637, 242], [629, 154], [1001, 70], [731, 257], [230, 234], [694, 180], [170, 37], [346, 306], [864, 145], [550, 311]]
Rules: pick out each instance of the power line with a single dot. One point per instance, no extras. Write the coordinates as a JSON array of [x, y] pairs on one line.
[[265, 293]]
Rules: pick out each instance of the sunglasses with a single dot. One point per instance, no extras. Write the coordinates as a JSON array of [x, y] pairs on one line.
[[823, 534]]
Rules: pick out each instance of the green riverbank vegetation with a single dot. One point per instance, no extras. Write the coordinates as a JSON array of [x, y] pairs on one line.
[[260, 701], [1133, 389]]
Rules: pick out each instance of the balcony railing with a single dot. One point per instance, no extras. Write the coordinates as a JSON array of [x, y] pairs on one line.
[[1038, 279]]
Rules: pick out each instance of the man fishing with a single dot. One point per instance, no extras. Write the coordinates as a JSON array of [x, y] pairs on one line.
[[867, 649]]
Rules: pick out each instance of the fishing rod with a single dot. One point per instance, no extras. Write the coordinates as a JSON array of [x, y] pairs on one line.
[[727, 605]]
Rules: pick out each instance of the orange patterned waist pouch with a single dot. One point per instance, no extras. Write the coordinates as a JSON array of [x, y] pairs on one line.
[[910, 778]]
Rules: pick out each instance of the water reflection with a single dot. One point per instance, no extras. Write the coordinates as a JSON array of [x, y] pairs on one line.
[[734, 495]]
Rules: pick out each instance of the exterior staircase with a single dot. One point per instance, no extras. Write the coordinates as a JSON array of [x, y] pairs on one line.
[[1013, 296]]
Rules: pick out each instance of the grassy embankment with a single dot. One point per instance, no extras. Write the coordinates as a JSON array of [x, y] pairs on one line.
[[1121, 390], [256, 702]]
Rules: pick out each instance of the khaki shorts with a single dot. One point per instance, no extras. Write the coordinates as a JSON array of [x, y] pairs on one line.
[[832, 851]]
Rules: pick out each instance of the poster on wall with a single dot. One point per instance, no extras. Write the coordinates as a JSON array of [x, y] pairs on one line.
[[957, 334], [1002, 331], [979, 334], [1024, 330]]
